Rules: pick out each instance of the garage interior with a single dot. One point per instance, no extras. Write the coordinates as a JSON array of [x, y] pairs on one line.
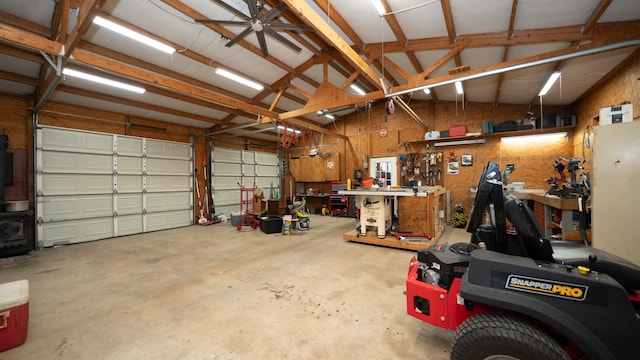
[[208, 190]]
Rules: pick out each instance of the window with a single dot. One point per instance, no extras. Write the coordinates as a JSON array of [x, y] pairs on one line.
[[384, 171]]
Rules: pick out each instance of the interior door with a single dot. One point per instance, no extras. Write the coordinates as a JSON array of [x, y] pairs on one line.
[[384, 170]]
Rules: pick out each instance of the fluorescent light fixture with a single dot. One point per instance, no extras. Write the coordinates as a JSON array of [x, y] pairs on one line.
[[528, 139], [288, 129], [552, 79], [459, 88], [239, 79], [460, 142], [590, 51], [101, 80], [133, 35], [379, 7], [329, 116], [427, 91], [357, 89]]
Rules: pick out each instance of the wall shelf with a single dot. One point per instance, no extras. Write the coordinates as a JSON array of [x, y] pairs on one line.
[[496, 134]]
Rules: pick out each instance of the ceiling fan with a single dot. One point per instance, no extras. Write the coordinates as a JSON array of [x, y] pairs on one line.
[[260, 22]]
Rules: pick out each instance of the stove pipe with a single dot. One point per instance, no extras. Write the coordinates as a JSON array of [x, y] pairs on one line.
[[4, 144]]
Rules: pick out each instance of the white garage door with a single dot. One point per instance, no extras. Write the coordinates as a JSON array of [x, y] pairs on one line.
[[92, 186], [231, 167]]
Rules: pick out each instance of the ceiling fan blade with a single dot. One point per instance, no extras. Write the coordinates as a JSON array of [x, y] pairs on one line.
[[253, 8], [223, 22], [273, 12], [285, 26], [231, 9], [263, 43], [283, 40], [239, 37]]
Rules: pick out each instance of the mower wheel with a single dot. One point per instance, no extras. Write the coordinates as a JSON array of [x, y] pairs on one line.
[[492, 336]]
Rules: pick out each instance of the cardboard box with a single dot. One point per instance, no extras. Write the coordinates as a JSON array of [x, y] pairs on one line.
[[259, 202], [616, 114], [14, 313]]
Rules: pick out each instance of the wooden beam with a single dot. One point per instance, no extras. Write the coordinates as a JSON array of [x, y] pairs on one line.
[[311, 18], [329, 103], [20, 23], [340, 22], [454, 51], [512, 19], [484, 69], [315, 128], [448, 20], [134, 103], [30, 41], [110, 65], [595, 16], [5, 75]]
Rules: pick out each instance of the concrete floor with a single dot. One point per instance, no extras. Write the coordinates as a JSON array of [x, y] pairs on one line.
[[215, 293]]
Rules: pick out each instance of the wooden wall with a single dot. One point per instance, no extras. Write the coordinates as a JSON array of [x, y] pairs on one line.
[[534, 164], [622, 85]]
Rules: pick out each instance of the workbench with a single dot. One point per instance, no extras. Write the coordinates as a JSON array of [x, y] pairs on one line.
[[418, 212], [556, 215]]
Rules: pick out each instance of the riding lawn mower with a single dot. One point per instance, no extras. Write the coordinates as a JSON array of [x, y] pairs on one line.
[[520, 295]]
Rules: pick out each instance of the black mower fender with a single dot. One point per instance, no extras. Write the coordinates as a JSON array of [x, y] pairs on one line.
[[591, 310]]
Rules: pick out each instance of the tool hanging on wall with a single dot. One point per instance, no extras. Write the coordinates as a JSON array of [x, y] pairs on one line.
[[207, 210], [197, 185]]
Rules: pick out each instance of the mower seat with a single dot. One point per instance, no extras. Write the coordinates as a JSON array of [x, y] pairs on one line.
[[536, 246]]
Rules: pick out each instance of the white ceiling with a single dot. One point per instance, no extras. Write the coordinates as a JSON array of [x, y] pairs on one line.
[[423, 24]]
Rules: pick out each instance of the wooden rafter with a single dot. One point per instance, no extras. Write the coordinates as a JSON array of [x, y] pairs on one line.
[[311, 18], [108, 65], [136, 104], [505, 53], [595, 16], [448, 20]]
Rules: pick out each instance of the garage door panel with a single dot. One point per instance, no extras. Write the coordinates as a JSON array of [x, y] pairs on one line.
[[266, 159], [64, 162], [129, 224], [70, 184], [226, 169], [129, 204], [75, 231], [248, 157], [129, 183], [226, 182], [157, 183], [267, 182], [263, 170], [167, 220], [76, 141], [248, 170], [227, 210], [226, 197], [57, 208], [227, 155], [81, 198], [168, 167], [168, 201], [130, 146], [168, 150], [248, 182], [129, 165]]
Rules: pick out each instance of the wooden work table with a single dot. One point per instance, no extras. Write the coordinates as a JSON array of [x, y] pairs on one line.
[[420, 212], [555, 214], [541, 196]]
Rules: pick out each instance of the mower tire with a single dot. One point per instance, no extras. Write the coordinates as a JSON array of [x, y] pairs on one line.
[[493, 336]]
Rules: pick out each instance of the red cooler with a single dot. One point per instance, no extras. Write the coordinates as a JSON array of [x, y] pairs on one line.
[[14, 313]]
